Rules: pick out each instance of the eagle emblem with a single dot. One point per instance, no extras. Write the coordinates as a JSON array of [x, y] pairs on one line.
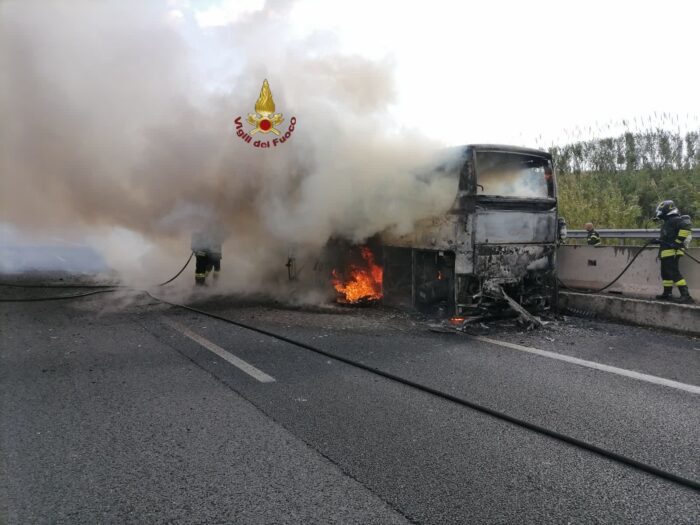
[[265, 119]]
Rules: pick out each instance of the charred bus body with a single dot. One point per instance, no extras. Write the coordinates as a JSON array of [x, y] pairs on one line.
[[499, 236]]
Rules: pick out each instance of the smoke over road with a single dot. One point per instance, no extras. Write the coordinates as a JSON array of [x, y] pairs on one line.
[[121, 115]]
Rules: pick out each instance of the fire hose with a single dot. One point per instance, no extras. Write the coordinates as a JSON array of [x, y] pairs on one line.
[[615, 279], [106, 288], [622, 272], [608, 454], [103, 288], [178, 273], [691, 257]]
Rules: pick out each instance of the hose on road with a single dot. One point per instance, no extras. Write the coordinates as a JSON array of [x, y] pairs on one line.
[[57, 297], [611, 455], [608, 454], [60, 285], [113, 287], [101, 287]]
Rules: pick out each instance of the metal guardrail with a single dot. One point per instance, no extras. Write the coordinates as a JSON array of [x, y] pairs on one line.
[[624, 234]]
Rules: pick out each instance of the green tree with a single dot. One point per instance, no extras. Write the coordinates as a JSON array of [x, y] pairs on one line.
[[618, 182], [596, 198]]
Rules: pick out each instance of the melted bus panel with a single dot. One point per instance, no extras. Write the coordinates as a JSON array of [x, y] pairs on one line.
[[500, 234]]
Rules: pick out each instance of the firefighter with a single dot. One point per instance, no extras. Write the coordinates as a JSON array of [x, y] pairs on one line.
[[206, 246], [562, 229], [593, 238], [674, 237]]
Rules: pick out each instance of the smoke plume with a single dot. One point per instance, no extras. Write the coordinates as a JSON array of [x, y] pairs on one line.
[[116, 117]]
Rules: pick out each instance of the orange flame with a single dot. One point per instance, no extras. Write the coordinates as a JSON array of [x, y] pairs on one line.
[[364, 284]]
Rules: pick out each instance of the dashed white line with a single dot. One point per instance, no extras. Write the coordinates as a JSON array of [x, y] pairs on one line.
[[591, 364], [223, 354]]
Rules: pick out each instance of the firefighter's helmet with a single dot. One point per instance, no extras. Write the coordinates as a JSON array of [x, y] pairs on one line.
[[665, 209]]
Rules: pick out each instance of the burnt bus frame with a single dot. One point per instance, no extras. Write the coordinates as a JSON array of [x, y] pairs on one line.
[[463, 213]]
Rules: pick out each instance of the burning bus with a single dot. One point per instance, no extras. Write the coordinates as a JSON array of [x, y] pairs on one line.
[[495, 246]]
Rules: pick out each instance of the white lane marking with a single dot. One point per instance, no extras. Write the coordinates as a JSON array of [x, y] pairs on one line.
[[223, 354], [591, 364]]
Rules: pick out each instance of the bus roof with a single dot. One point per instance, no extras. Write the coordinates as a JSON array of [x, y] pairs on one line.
[[506, 149]]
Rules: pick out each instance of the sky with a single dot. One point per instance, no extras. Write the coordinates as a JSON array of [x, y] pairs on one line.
[[528, 73]]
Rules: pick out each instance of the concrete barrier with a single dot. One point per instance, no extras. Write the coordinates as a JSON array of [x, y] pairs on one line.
[[658, 314], [590, 267]]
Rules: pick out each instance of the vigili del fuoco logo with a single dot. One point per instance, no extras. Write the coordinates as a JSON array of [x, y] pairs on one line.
[[264, 121]]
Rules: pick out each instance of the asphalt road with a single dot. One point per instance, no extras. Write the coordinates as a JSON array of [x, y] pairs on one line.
[[118, 409]]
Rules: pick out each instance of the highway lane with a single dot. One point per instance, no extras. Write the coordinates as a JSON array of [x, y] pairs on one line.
[[280, 358], [393, 451], [102, 423], [649, 422]]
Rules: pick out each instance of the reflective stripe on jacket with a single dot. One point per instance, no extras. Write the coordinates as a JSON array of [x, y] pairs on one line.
[[673, 234]]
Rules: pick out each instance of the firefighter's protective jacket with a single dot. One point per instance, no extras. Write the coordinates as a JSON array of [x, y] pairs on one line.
[[593, 238], [674, 235]]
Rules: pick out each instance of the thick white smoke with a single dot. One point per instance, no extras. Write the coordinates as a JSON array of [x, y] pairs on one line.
[[112, 118]]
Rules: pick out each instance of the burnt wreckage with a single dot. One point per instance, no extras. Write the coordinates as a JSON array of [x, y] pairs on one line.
[[494, 248]]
